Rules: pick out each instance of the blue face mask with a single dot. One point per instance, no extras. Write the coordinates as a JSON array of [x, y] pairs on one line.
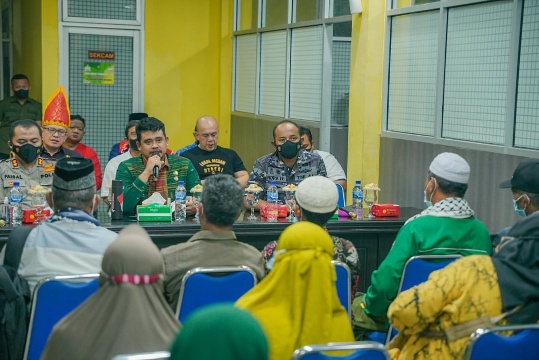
[[521, 212], [428, 203]]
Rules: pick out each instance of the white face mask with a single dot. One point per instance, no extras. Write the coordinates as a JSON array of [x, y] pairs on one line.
[[428, 203], [93, 204]]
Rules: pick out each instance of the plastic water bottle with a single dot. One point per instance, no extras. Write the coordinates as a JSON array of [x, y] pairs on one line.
[[357, 196], [273, 197], [15, 201], [179, 197]]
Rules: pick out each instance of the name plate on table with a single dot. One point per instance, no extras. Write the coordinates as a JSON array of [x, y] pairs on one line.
[[154, 212]]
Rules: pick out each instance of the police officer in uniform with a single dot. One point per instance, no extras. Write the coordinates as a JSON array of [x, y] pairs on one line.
[[26, 165]]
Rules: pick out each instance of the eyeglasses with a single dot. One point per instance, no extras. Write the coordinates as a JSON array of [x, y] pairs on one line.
[[60, 132]]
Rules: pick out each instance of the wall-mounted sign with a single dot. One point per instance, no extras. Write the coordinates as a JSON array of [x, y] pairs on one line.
[[98, 73], [104, 55]]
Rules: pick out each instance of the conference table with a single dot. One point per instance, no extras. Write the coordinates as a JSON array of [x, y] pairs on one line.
[[372, 237]]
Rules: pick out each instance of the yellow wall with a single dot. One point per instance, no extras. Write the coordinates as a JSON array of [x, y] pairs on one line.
[[188, 65], [366, 78]]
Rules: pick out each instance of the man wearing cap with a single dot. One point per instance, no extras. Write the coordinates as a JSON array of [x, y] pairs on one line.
[[71, 241], [316, 201], [447, 226], [216, 243], [112, 166], [26, 167], [289, 164], [524, 185], [55, 124], [154, 170], [17, 107]]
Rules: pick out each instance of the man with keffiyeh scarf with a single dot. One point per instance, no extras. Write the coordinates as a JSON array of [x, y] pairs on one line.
[[447, 226]]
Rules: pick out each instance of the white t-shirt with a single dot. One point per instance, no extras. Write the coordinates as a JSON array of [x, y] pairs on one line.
[[333, 168], [110, 172]]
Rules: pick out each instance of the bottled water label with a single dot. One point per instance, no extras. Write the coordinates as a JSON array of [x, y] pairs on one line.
[[15, 198]]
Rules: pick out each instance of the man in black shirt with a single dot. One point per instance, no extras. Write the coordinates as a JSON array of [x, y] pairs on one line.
[[209, 158]]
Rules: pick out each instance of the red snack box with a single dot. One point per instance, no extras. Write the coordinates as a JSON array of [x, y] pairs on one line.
[[282, 211], [28, 216], [382, 210]]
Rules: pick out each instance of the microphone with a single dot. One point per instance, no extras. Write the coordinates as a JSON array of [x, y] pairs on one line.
[[156, 167]]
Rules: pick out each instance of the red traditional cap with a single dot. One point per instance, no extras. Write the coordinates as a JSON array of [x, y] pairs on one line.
[[57, 110]]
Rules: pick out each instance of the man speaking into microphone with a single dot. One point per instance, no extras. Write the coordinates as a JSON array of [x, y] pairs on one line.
[[154, 170]]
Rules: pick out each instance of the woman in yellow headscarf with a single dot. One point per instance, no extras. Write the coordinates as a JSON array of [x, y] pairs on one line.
[[297, 303]]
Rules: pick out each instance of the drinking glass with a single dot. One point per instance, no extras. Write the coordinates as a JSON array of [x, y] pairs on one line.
[[370, 198], [290, 201], [252, 200], [197, 196], [38, 203]]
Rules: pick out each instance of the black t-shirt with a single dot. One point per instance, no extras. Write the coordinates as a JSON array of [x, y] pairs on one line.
[[220, 160]]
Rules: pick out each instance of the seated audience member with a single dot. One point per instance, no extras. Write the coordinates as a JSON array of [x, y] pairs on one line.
[[55, 124], [112, 166], [123, 146], [71, 241], [524, 185], [216, 243], [297, 302], [73, 142], [128, 314], [316, 199], [186, 147], [464, 291], [138, 174], [289, 164], [209, 158], [221, 332], [333, 168], [26, 166], [447, 226]]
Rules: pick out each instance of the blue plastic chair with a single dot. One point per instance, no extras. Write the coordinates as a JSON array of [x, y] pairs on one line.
[[342, 201], [204, 286], [343, 285], [358, 350], [54, 298], [156, 355], [489, 344], [417, 270]]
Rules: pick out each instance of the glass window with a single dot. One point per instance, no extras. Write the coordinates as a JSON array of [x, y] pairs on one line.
[[406, 3], [273, 73], [103, 9], [248, 14], [413, 71], [245, 81], [275, 12], [306, 73], [306, 10], [341, 7]]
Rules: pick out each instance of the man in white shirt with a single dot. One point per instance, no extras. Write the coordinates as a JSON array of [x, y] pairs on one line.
[[112, 166], [333, 168]]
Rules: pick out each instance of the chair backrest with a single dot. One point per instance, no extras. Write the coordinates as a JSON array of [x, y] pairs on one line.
[[489, 344], [343, 284], [417, 270], [204, 286], [55, 297], [156, 355], [342, 200], [353, 350]]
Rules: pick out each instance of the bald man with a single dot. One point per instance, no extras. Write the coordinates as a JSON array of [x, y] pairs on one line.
[[209, 158]]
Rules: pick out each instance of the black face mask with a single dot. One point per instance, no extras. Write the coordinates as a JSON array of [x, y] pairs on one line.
[[133, 144], [21, 94], [289, 149], [27, 152]]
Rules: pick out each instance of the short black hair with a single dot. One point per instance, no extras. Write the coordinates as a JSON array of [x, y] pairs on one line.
[[317, 218], [449, 187], [78, 117], [24, 123], [129, 125], [306, 131], [19, 77], [284, 122], [150, 124]]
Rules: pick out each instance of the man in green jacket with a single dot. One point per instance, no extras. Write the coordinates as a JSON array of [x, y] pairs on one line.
[[154, 170], [447, 226]]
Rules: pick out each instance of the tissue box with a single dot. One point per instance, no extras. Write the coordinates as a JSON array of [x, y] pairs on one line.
[[282, 211], [381, 210], [154, 212]]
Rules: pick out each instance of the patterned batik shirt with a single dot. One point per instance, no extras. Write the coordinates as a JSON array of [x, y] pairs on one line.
[[271, 167]]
